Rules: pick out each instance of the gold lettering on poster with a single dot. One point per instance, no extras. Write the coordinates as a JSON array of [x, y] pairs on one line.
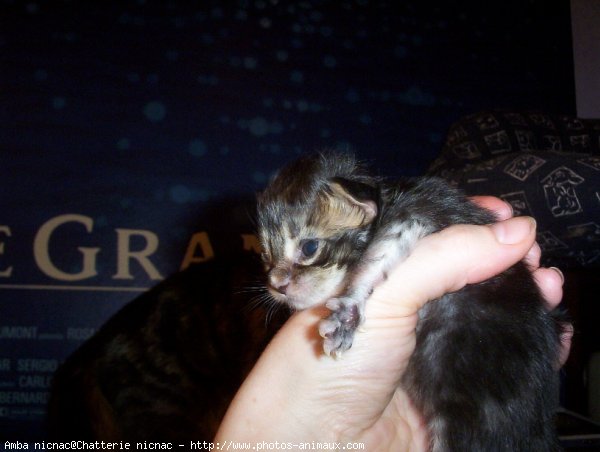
[[8, 271], [42, 256], [199, 242], [134, 247], [250, 242], [125, 254]]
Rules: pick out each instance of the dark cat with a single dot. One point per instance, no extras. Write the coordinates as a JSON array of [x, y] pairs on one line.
[[167, 365], [483, 372]]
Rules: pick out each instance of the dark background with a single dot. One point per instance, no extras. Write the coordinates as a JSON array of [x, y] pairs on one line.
[[167, 116]]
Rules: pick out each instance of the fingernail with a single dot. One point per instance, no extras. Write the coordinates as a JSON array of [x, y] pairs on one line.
[[557, 270], [567, 331], [513, 231]]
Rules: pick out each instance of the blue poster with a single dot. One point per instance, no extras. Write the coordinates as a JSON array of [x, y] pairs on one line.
[[134, 135]]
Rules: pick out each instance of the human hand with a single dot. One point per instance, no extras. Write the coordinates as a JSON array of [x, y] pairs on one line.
[[297, 394]]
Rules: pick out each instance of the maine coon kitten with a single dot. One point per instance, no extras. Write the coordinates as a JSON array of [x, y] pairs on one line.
[[166, 366], [482, 374]]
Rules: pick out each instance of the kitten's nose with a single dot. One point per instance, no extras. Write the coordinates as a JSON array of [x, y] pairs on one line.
[[279, 279], [281, 289]]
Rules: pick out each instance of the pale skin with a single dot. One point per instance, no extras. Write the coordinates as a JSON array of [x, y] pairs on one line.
[[297, 394]]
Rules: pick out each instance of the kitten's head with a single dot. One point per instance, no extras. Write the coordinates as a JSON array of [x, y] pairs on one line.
[[314, 221]]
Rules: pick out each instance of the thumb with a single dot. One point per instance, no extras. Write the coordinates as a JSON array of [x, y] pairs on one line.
[[448, 260]]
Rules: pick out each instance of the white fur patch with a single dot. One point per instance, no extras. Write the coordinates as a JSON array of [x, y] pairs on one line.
[[290, 246], [389, 248]]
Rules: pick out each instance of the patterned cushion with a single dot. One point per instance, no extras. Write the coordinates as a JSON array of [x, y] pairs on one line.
[[544, 166]]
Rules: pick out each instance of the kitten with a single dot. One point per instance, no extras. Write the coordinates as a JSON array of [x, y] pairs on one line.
[[166, 366], [482, 374]]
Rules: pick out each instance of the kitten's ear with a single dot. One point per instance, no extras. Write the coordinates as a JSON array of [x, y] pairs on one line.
[[349, 204]]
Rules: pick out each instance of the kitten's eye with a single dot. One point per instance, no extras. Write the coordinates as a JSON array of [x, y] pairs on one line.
[[310, 247]]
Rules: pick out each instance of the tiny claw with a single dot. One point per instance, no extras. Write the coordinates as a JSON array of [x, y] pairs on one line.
[[333, 304], [331, 351], [327, 349], [327, 328]]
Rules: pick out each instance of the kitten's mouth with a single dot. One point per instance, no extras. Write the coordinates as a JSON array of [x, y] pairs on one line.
[[293, 302], [277, 296], [284, 299]]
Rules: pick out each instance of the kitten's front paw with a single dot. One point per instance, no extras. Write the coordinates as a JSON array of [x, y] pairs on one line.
[[337, 330]]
